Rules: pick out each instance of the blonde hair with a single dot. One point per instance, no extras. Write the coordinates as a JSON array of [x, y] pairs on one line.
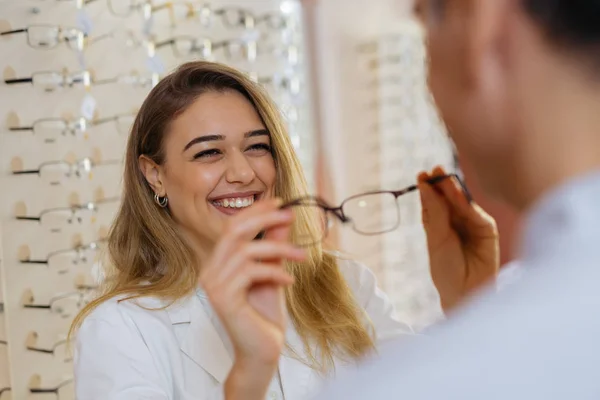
[[149, 257]]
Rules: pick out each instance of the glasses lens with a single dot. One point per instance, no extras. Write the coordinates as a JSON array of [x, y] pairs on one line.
[[48, 81], [310, 225], [74, 38], [232, 17], [67, 306], [43, 37], [121, 8], [124, 123], [183, 47], [56, 220], [373, 213], [63, 261], [49, 130]]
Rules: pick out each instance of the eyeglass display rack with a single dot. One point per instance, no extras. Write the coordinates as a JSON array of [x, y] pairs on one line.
[[62, 136], [405, 137]]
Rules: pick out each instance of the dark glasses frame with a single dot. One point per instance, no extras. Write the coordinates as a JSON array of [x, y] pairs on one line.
[[338, 211]]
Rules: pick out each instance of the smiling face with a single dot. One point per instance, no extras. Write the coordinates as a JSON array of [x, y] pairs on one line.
[[218, 160]]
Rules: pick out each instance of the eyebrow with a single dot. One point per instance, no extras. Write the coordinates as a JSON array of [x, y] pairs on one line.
[[212, 138]]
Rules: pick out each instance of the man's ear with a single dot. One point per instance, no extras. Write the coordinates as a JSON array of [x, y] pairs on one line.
[[486, 26], [153, 174]]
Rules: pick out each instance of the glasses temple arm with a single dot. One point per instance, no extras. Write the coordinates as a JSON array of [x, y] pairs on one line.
[[18, 80], [13, 32]]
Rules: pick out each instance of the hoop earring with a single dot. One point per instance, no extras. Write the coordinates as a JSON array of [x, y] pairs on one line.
[[161, 201]]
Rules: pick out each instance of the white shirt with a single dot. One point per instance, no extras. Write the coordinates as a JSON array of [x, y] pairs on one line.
[[126, 351], [275, 391], [538, 338]]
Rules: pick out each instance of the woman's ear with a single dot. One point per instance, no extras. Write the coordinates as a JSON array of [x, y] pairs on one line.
[[152, 172]]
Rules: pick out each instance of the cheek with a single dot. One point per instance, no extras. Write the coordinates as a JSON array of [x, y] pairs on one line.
[[264, 168], [206, 179], [195, 183]]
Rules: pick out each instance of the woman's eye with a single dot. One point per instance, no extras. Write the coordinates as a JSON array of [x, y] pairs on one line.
[[207, 154], [260, 147]]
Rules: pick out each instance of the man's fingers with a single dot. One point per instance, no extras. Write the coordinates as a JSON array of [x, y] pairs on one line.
[[434, 206]]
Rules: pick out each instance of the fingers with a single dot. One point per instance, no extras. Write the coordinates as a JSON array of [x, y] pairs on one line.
[[227, 294], [434, 206], [264, 250], [453, 192], [261, 216], [245, 226], [454, 196]]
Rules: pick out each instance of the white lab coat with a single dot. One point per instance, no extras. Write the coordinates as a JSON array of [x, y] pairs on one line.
[[126, 352], [536, 339]]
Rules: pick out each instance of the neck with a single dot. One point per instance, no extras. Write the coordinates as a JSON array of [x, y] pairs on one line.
[[560, 125]]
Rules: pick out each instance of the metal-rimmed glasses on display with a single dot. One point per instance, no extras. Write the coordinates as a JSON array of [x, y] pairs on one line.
[[49, 36], [62, 260], [60, 170], [56, 218], [58, 349], [49, 130], [186, 46], [281, 84], [49, 81], [66, 305], [57, 390], [371, 213]]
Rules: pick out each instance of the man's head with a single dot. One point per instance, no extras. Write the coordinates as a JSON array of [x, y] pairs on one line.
[[514, 79]]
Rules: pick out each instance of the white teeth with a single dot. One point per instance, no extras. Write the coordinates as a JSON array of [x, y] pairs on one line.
[[236, 202]]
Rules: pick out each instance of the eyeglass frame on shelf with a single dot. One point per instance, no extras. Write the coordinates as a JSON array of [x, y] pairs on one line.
[[78, 250], [70, 123], [86, 163], [79, 40], [68, 79], [52, 390]]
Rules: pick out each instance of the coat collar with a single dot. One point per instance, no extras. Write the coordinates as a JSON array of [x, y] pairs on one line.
[[202, 344]]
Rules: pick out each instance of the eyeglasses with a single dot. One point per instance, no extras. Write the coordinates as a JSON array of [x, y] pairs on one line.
[[57, 218], [49, 36], [134, 79], [274, 21], [185, 46], [59, 349], [281, 84], [50, 81], [49, 130], [371, 213], [59, 390], [56, 172], [62, 260], [78, 3], [65, 305]]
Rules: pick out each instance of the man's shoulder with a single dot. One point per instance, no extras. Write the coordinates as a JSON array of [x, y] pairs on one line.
[[525, 339]]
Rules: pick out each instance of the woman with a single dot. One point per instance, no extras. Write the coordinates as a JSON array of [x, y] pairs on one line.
[[194, 307]]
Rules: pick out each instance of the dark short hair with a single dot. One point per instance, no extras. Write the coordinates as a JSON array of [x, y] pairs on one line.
[[572, 24]]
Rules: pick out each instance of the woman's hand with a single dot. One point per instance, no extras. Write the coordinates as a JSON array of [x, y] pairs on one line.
[[462, 239], [245, 280]]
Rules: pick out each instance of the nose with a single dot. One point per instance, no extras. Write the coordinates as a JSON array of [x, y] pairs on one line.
[[239, 170]]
